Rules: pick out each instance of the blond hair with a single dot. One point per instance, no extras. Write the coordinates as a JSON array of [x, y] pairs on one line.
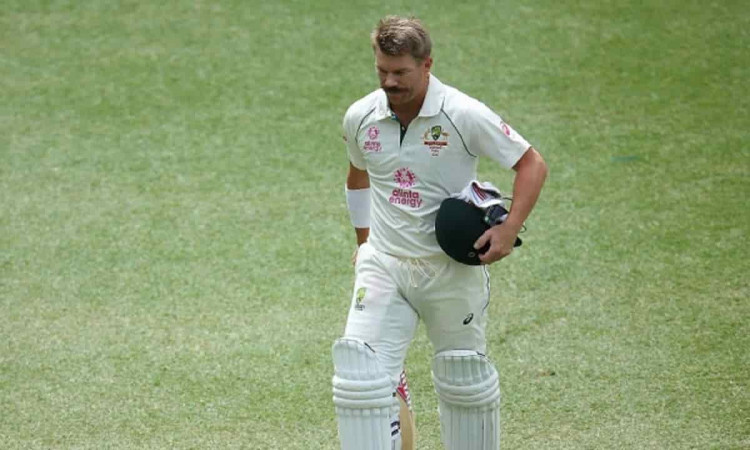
[[396, 36]]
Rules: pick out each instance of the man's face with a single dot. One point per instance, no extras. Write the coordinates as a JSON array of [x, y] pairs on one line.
[[402, 77]]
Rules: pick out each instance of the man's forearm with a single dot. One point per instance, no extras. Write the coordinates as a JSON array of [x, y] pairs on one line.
[[362, 235], [531, 172]]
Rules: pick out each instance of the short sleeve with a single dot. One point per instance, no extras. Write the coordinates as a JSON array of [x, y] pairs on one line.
[[350, 139], [490, 136]]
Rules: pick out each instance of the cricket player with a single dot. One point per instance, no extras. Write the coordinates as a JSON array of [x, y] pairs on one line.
[[411, 144]]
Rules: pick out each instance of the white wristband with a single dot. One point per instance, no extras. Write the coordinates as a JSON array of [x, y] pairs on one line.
[[358, 202]]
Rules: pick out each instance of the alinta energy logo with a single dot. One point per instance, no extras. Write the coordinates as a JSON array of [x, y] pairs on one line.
[[403, 195], [373, 145]]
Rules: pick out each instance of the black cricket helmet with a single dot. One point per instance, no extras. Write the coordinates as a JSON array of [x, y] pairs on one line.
[[458, 225]]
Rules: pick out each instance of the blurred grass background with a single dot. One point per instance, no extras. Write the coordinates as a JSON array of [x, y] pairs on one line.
[[174, 244]]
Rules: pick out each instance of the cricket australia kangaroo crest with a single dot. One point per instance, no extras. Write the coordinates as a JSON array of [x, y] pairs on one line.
[[435, 139]]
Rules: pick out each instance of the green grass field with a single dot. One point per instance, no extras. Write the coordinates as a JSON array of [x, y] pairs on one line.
[[174, 243]]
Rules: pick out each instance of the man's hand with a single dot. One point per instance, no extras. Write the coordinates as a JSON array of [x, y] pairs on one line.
[[531, 171], [501, 238]]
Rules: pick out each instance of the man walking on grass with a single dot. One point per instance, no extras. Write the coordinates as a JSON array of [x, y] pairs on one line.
[[411, 144]]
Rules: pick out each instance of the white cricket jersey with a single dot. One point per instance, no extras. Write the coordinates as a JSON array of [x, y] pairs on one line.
[[437, 157]]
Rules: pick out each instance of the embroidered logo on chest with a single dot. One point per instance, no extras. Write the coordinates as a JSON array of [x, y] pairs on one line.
[[403, 195], [435, 139], [373, 144]]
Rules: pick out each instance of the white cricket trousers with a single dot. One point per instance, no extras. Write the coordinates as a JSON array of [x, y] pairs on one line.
[[391, 294]]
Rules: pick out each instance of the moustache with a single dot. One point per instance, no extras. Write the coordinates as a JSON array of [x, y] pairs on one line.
[[394, 90]]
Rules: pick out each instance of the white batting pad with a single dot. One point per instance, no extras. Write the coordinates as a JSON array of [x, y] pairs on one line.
[[469, 390], [364, 397]]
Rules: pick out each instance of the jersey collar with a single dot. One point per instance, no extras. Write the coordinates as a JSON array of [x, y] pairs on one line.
[[433, 101]]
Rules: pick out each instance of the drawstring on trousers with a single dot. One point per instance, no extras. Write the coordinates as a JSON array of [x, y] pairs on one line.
[[421, 267]]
